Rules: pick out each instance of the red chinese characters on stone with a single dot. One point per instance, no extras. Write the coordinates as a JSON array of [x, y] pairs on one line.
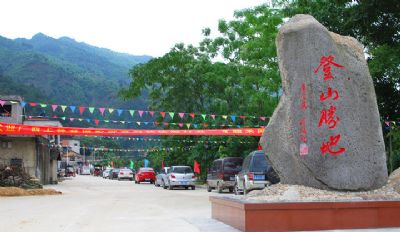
[[328, 146], [303, 130], [329, 94], [329, 117], [303, 97], [326, 63]]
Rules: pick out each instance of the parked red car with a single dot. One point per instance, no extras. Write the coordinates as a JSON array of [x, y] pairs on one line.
[[145, 175]]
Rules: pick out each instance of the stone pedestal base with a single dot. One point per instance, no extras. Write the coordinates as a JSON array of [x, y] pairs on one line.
[[295, 216]]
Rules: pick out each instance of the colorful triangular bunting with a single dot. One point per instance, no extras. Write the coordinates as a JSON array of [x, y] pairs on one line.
[[81, 109], [54, 107], [102, 111], [72, 108]]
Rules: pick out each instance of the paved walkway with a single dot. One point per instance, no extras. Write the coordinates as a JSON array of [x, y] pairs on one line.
[[95, 204]]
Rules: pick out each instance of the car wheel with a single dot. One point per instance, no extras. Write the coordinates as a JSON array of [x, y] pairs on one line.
[[138, 182], [236, 189], [170, 186], [219, 188], [163, 185], [186, 188], [231, 190], [193, 187], [209, 189], [119, 179]]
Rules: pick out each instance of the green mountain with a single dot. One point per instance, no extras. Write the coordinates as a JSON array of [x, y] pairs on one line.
[[63, 71]]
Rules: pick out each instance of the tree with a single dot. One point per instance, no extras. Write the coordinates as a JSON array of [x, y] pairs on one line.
[[248, 44], [189, 79]]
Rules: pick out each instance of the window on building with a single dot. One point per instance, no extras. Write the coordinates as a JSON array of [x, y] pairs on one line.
[[6, 144], [5, 110], [16, 163]]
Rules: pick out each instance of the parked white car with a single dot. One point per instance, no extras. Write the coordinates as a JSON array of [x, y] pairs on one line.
[[125, 174], [85, 170], [180, 176], [106, 173]]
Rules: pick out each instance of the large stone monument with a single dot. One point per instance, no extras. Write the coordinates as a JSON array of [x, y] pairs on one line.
[[326, 131]]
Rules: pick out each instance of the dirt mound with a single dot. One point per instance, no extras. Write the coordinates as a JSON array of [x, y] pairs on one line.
[[14, 191], [299, 193]]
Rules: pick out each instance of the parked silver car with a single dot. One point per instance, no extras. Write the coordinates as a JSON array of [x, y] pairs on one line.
[[180, 176], [161, 177]]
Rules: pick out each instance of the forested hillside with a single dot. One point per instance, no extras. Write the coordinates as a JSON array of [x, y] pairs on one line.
[[63, 71]]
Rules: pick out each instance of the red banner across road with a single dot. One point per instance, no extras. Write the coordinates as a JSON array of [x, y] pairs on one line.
[[18, 129]]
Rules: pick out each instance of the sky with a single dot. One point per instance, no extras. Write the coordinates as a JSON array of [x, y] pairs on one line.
[[138, 27]]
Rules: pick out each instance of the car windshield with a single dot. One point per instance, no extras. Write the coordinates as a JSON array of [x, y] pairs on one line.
[[126, 170], [233, 165], [259, 163], [182, 170]]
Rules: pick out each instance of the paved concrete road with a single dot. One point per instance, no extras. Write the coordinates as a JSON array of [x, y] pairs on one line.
[[95, 204]]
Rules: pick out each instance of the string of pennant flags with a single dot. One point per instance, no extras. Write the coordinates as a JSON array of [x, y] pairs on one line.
[[177, 140], [393, 123], [153, 149], [141, 113], [140, 123]]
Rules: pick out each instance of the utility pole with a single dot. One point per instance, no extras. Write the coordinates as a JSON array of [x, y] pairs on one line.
[[67, 156], [390, 152]]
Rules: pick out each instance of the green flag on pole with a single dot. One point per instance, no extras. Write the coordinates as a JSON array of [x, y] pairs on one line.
[[132, 164]]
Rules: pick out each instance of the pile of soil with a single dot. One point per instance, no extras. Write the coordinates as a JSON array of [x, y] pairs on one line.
[[14, 191], [17, 177]]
